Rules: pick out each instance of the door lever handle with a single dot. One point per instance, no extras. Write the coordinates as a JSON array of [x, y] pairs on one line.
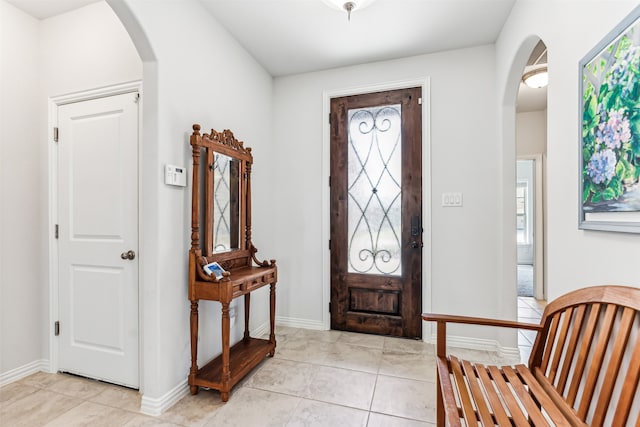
[[128, 255], [416, 225]]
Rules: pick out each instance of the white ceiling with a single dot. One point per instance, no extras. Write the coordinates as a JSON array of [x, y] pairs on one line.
[[530, 99], [42, 9], [296, 36]]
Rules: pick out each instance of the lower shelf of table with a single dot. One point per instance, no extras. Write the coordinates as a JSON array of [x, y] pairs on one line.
[[243, 357]]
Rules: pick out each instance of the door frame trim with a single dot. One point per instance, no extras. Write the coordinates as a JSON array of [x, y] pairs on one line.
[[425, 84], [52, 158]]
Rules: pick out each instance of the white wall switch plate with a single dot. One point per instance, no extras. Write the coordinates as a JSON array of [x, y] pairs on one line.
[[452, 199], [175, 175]]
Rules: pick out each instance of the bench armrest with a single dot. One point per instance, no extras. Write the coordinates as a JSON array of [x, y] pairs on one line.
[[448, 318], [443, 319]]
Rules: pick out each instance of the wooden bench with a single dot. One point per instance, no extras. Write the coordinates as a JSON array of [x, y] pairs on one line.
[[583, 369]]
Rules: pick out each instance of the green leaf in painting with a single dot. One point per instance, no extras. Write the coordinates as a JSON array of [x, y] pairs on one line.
[[608, 194], [627, 169], [635, 141], [590, 109], [585, 193], [597, 197], [618, 188]]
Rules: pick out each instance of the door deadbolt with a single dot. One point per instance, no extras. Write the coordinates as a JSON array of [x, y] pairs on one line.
[[128, 255]]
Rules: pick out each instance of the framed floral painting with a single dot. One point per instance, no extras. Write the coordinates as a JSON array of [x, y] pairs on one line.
[[610, 131]]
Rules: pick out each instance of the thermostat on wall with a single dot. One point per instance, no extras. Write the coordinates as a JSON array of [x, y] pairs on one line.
[[175, 175]]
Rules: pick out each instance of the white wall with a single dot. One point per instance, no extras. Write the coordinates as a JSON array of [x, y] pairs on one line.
[[203, 76], [86, 49], [23, 272], [464, 158], [531, 136], [576, 258]]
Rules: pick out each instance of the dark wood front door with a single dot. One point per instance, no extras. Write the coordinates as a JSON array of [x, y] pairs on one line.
[[376, 213]]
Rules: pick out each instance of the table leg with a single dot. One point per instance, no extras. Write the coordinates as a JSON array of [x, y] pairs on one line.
[[193, 389], [272, 317], [226, 373]]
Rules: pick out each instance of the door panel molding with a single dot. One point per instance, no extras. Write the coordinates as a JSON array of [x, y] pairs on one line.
[[423, 83], [54, 103]]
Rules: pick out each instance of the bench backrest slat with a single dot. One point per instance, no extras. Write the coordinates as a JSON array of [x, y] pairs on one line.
[[611, 375], [578, 324], [589, 351], [582, 355], [551, 338], [595, 366], [629, 389], [560, 344]]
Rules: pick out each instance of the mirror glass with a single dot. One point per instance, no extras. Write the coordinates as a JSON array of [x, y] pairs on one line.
[[226, 203]]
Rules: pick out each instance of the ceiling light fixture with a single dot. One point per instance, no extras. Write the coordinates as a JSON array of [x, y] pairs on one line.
[[348, 5], [536, 78]]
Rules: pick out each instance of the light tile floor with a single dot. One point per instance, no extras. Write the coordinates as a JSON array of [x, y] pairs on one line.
[[317, 378], [529, 311]]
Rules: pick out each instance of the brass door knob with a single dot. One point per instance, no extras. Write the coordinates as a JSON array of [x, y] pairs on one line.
[[128, 255]]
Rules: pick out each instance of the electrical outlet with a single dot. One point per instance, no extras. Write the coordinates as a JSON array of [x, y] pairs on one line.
[[452, 199]]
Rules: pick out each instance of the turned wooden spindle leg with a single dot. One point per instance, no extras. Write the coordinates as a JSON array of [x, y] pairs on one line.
[[247, 307], [272, 317], [226, 373], [194, 347]]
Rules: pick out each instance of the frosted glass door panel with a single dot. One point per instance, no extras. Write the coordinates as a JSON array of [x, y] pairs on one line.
[[374, 190]]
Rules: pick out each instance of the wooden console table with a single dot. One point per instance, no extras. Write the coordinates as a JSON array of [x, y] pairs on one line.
[[226, 216]]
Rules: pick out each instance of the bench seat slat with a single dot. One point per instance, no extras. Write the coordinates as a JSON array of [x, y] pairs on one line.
[[533, 412], [510, 400], [463, 393], [447, 392], [476, 393], [541, 396], [499, 412]]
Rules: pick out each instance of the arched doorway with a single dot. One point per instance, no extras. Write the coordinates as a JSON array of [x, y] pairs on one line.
[[531, 150]]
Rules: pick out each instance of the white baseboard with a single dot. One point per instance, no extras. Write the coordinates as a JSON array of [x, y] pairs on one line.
[[156, 406], [300, 323], [24, 371], [260, 330], [480, 344], [510, 353]]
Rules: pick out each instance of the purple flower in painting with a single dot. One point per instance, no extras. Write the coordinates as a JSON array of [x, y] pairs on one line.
[[619, 74], [602, 166], [614, 130]]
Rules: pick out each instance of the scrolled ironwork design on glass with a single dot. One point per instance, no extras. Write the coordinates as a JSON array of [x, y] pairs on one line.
[[375, 190], [221, 202]]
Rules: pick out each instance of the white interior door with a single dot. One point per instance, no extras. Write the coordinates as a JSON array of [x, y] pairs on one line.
[[98, 226]]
